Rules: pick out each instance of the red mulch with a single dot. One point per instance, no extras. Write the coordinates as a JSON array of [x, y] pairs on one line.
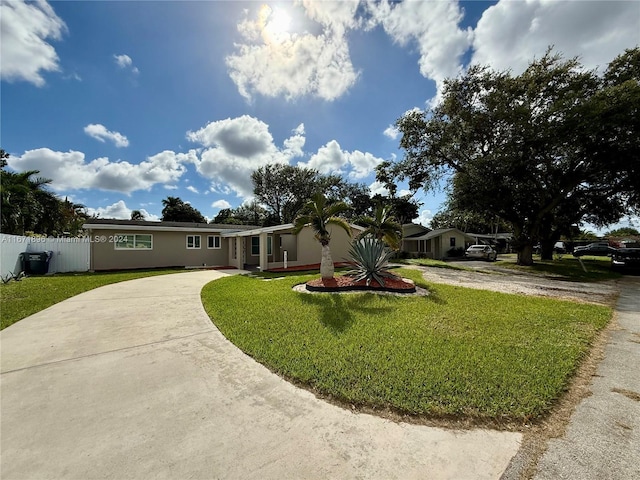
[[345, 282], [310, 266]]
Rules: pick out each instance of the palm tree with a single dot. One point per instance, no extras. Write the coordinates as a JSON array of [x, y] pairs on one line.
[[137, 215], [383, 226], [320, 216], [23, 200]]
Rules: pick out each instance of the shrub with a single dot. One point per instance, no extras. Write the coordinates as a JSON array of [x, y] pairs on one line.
[[371, 258]]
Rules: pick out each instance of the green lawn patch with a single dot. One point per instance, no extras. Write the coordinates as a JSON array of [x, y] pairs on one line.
[[461, 352], [569, 268], [32, 294]]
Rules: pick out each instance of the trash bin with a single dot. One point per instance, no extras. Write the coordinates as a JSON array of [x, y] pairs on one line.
[[35, 263]]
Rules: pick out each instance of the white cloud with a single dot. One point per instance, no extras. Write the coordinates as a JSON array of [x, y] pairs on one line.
[[392, 132], [273, 62], [125, 62], [192, 189], [362, 164], [70, 170], [221, 204], [120, 211], [332, 159], [329, 159], [24, 29], [424, 218], [236, 147], [510, 34], [378, 188], [433, 27], [170, 187], [100, 133]]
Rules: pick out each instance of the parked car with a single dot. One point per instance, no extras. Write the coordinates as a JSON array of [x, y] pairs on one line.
[[601, 249], [485, 252], [559, 248], [626, 259]]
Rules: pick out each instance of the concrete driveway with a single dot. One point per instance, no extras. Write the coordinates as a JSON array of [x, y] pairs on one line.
[[603, 437], [132, 381]]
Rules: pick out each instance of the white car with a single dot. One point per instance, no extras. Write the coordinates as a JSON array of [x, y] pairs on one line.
[[484, 252]]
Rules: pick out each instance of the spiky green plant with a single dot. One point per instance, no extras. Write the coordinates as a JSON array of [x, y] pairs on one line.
[[371, 257]]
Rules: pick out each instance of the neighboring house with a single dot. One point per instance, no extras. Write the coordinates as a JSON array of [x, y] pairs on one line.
[[420, 241], [129, 244], [500, 241]]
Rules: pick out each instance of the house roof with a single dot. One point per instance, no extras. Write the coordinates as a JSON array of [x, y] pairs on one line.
[[277, 228], [437, 233], [492, 236], [110, 224]]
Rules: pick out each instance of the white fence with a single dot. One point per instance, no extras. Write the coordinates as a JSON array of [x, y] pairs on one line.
[[69, 254]]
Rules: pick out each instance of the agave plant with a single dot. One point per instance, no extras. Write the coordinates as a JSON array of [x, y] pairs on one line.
[[371, 257]]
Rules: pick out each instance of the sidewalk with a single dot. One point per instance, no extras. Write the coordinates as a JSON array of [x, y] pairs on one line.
[[602, 441]]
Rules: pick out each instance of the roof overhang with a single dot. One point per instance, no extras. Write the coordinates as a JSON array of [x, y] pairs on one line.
[[288, 227], [151, 228]]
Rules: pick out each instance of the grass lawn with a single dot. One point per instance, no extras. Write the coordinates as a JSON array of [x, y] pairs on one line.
[[32, 294], [461, 352], [567, 266]]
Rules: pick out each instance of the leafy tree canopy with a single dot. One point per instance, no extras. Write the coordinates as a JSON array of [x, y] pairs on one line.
[[623, 232], [29, 207], [285, 189], [246, 214], [468, 221], [175, 210], [544, 150]]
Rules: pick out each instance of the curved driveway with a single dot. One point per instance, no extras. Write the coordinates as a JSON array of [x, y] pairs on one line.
[[133, 381]]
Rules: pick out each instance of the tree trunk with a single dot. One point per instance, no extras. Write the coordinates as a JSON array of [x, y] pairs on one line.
[[525, 255], [326, 264], [546, 249]]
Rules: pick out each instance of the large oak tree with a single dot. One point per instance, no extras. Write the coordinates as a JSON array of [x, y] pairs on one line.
[[544, 150]]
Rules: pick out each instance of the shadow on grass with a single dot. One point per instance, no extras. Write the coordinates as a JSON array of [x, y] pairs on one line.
[[335, 311]]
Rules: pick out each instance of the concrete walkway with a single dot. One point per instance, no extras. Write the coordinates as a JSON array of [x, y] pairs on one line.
[[132, 381], [602, 441]]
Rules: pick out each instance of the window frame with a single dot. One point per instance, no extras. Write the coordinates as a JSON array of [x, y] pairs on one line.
[[135, 241], [194, 246], [214, 237], [257, 245]]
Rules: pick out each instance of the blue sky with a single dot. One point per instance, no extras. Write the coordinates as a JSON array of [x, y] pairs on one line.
[[122, 104]]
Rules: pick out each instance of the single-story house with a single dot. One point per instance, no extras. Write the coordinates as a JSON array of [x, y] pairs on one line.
[[130, 244], [420, 241]]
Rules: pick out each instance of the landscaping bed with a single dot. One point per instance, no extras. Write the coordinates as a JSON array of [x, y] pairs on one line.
[[346, 283]]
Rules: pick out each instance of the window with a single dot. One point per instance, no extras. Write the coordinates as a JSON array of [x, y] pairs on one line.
[[193, 241], [213, 241], [255, 246], [452, 241], [133, 241]]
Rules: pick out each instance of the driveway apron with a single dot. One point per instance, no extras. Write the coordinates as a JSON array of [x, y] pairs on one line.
[[133, 381]]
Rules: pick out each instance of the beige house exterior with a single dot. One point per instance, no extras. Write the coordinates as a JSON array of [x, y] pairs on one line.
[[419, 241], [125, 244], [277, 247]]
